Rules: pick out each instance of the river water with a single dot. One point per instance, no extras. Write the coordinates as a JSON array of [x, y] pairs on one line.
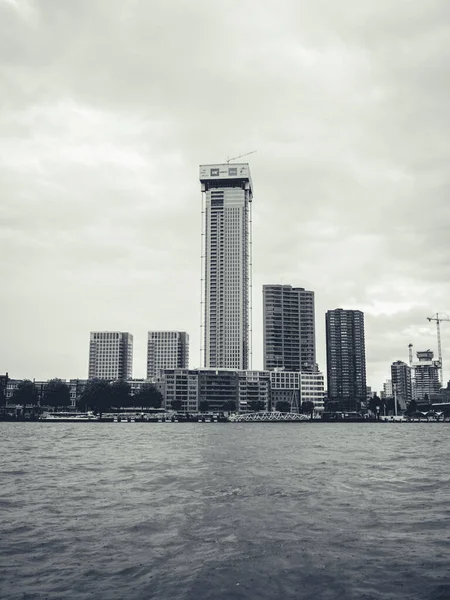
[[224, 511]]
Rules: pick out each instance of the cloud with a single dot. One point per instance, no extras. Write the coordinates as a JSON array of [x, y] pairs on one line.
[[107, 109]]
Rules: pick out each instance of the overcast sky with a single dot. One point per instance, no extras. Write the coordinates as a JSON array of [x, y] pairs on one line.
[[107, 107]]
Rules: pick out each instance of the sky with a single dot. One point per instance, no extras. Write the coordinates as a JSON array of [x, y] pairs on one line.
[[107, 108]]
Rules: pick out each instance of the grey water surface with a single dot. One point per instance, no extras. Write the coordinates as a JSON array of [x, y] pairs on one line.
[[223, 511]]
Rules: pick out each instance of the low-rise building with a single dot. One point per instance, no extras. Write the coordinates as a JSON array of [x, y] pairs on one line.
[[76, 388], [285, 387], [254, 387], [217, 387], [180, 385], [312, 389]]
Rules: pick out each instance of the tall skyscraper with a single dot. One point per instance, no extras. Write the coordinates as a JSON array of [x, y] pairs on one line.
[[346, 359], [289, 328], [401, 383], [167, 350], [226, 275], [110, 355]]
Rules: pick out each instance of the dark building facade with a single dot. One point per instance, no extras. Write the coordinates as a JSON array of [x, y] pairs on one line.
[[289, 328], [218, 387], [346, 359]]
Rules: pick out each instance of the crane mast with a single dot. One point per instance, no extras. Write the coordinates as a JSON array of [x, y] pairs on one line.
[[439, 318]]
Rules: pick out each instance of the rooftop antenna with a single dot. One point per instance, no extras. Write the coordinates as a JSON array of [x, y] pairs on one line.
[[240, 156]]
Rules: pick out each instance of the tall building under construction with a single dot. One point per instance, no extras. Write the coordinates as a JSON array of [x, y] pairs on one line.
[[227, 195], [426, 376]]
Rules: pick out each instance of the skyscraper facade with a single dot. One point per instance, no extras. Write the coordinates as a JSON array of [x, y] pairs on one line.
[[110, 355], [166, 350], [227, 190], [346, 359], [289, 328], [401, 383]]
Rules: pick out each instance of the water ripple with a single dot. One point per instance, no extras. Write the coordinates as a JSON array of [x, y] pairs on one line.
[[224, 512]]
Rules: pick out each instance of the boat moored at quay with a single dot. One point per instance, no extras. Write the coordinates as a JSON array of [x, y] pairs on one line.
[[69, 417]]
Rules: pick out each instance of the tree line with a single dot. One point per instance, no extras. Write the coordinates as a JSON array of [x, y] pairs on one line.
[[98, 395], [306, 408], [379, 406]]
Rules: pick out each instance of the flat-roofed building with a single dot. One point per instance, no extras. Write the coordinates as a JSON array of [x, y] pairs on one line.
[[285, 387], [253, 388], [401, 383], [312, 390], [346, 360], [166, 350], [289, 328], [110, 355], [227, 195]]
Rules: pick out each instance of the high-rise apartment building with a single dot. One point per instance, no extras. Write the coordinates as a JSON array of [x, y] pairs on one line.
[[289, 328], [167, 350], [346, 359], [387, 389], [227, 190], [401, 383], [110, 355]]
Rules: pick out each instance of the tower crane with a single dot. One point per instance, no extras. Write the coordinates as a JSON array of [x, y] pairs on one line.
[[439, 318], [240, 156]]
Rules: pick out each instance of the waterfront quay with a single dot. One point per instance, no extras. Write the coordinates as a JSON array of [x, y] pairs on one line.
[[163, 416]]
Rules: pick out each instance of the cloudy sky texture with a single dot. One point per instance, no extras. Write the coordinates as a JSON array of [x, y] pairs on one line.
[[107, 107]]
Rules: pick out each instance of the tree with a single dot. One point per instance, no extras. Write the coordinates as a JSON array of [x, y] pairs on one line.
[[256, 405], [96, 396], [203, 406], [120, 392], [411, 408], [308, 408], [56, 394], [390, 405], [375, 405], [283, 406], [229, 406], [148, 397], [176, 405], [25, 394]]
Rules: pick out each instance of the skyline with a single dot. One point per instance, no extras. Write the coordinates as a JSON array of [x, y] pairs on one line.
[[99, 153]]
